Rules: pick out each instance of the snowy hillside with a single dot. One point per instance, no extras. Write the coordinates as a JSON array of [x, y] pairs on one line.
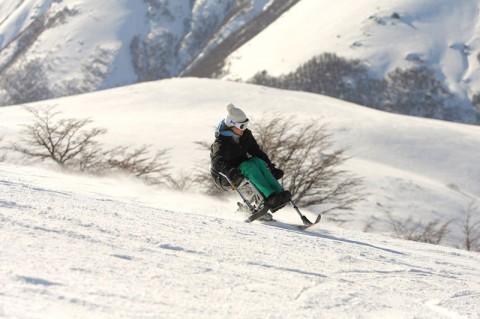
[[443, 36], [87, 45], [418, 168], [80, 247], [59, 48]]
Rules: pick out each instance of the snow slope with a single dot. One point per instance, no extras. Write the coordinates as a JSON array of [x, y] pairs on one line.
[[89, 45], [76, 246], [412, 167], [441, 34], [83, 247]]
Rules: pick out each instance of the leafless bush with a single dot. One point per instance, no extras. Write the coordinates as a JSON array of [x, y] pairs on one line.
[[71, 145], [471, 229], [138, 163], [63, 141], [312, 173], [433, 232], [182, 182]]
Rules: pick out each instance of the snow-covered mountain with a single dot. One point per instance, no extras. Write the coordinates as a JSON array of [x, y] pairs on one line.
[[87, 45], [55, 48], [441, 35]]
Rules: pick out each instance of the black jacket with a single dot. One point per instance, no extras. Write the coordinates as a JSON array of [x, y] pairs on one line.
[[226, 153]]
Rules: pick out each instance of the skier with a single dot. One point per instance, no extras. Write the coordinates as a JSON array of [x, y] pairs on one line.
[[236, 154]]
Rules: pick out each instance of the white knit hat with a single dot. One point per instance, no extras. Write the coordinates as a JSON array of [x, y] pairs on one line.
[[234, 115]]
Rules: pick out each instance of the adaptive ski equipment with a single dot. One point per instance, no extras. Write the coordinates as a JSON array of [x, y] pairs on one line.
[[254, 202]]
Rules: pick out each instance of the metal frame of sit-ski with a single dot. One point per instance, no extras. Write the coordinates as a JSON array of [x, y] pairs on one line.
[[255, 201]]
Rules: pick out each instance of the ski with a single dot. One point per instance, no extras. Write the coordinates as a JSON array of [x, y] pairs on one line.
[[305, 227], [258, 214], [262, 212]]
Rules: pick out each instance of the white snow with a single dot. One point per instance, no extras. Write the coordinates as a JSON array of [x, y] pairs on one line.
[[16, 15], [79, 247], [76, 246], [99, 34], [413, 167], [444, 34]]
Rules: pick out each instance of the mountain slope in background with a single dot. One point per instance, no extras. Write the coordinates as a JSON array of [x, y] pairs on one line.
[[89, 45], [55, 48], [443, 36], [412, 167]]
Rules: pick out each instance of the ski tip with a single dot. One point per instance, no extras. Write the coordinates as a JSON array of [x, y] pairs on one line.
[[305, 226]]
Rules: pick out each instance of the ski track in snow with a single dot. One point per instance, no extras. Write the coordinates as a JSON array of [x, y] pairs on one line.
[[78, 252]]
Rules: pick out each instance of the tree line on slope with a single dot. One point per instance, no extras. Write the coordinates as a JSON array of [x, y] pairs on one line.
[[415, 91]]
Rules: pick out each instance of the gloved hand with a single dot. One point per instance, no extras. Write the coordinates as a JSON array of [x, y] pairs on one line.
[[276, 172], [235, 175]]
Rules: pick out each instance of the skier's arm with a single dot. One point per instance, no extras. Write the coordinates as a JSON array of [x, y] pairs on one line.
[[255, 150], [218, 161]]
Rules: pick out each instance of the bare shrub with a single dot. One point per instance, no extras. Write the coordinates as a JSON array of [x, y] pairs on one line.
[[71, 145], [312, 173], [311, 169], [182, 182], [64, 141], [471, 229], [433, 232], [138, 163]]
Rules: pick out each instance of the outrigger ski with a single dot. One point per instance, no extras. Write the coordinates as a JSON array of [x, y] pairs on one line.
[[264, 210], [257, 206]]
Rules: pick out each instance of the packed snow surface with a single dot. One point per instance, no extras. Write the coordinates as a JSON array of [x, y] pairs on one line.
[[78, 247]]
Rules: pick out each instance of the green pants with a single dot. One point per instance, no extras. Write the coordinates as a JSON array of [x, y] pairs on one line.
[[256, 170]]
